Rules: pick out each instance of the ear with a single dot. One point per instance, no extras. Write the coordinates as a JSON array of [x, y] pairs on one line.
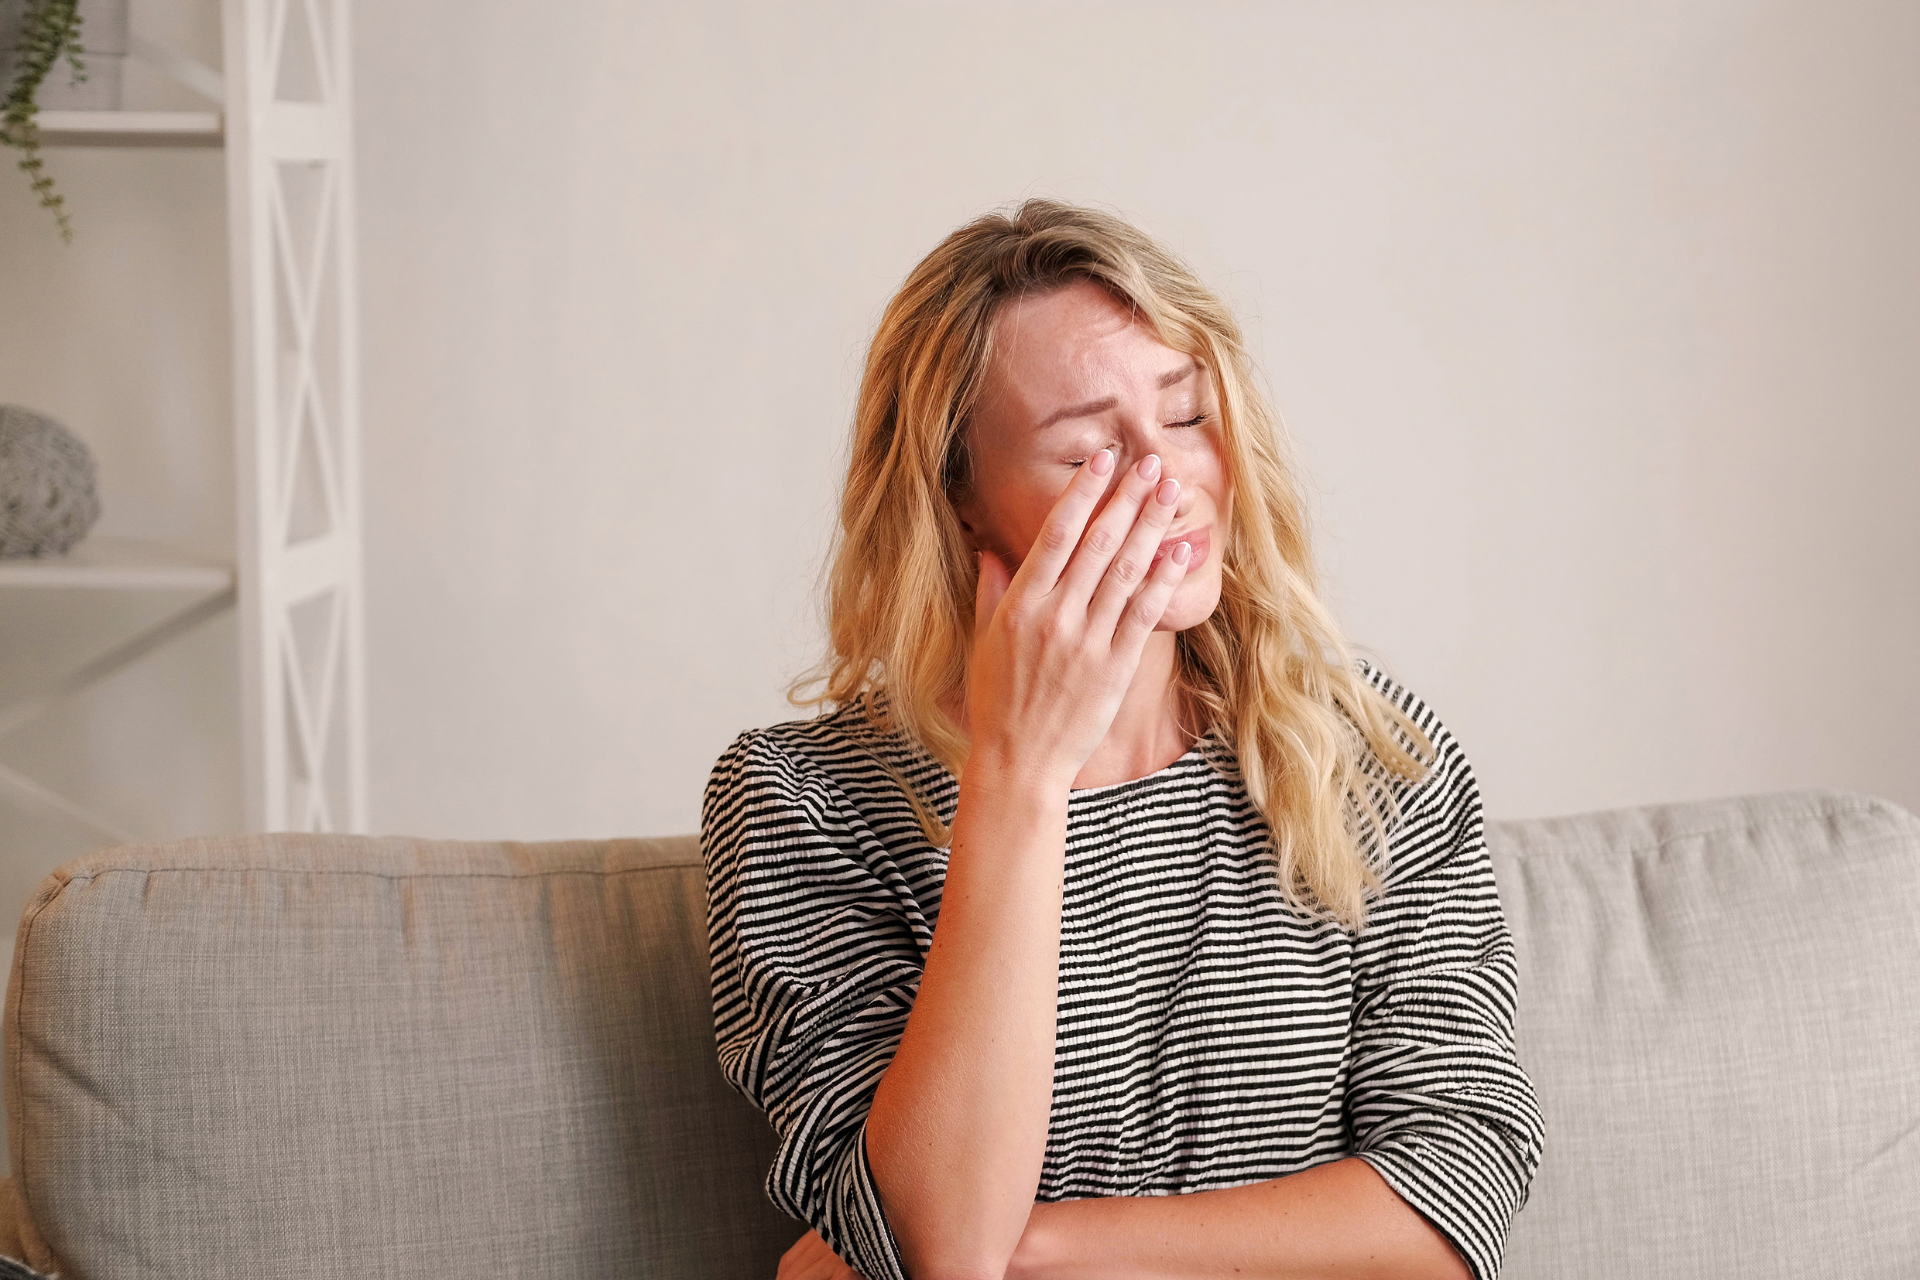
[[966, 510], [958, 480], [989, 587]]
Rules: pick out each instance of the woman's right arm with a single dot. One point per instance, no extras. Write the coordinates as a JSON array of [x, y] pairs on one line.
[[958, 1128]]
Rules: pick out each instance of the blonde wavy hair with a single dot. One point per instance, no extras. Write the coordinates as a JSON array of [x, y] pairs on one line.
[[1267, 672]]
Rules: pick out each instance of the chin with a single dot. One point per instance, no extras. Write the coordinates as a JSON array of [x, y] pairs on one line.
[[1192, 604]]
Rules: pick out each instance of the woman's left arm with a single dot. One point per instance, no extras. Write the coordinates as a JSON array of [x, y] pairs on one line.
[[1333, 1220], [1447, 1131]]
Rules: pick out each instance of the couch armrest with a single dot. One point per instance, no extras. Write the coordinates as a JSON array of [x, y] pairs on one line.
[[11, 1244], [18, 1239]]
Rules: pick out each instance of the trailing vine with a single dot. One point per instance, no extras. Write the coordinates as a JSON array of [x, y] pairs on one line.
[[49, 31]]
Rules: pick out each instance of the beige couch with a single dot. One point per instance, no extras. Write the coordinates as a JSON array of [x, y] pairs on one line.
[[309, 1056]]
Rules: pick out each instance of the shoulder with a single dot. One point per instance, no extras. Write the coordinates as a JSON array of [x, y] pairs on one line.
[[838, 777], [797, 762], [795, 748], [1375, 675], [1436, 820], [843, 750]]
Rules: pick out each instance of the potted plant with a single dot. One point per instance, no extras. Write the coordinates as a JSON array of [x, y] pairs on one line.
[[48, 33]]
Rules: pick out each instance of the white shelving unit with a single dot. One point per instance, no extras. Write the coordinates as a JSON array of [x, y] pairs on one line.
[[132, 128], [295, 579], [107, 564], [120, 564]]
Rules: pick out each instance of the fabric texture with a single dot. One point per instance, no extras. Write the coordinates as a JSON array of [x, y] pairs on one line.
[[49, 491], [1208, 1036], [1720, 1004], [323, 1056], [306, 1056]]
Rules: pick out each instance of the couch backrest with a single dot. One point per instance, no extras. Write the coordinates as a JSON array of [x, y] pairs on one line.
[[1720, 1008], [324, 1056], [332, 1055]]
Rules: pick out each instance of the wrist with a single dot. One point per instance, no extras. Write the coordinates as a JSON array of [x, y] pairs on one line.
[[1005, 768], [1012, 776]]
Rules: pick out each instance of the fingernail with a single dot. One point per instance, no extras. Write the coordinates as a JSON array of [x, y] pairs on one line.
[[1101, 462], [1150, 466], [1181, 554], [1168, 493]]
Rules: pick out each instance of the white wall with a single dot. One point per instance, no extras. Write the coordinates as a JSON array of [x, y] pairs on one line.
[[1595, 325]]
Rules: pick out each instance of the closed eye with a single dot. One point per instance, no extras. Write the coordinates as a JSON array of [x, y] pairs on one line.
[[1198, 420]]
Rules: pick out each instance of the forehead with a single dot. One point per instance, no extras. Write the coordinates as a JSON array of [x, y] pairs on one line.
[[1078, 342]]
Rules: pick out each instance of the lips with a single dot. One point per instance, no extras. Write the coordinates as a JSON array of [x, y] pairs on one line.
[[1198, 539]]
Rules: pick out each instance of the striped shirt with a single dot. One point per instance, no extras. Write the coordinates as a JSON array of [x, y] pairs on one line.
[[1208, 1035]]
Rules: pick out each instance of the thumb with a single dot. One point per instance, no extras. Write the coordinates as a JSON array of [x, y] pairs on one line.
[[993, 583]]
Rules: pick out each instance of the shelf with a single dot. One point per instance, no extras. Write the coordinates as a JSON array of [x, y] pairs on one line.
[[288, 164], [132, 128], [119, 564]]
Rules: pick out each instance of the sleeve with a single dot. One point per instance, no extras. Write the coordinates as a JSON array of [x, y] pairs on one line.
[[1437, 1099], [817, 950]]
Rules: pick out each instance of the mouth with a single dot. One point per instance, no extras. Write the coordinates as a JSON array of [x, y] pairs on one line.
[[1197, 539]]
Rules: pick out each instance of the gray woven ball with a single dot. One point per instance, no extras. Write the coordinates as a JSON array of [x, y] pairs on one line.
[[48, 499]]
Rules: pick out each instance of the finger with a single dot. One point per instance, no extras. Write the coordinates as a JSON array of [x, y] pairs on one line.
[[1144, 612], [1105, 536], [801, 1260], [992, 585], [1134, 561], [825, 1265], [1060, 532]]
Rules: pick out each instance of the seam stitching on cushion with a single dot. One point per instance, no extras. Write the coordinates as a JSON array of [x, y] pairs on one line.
[[1777, 820], [388, 876], [19, 1052], [393, 875]]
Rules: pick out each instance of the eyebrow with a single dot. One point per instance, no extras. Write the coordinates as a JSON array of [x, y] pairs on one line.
[[1102, 405]]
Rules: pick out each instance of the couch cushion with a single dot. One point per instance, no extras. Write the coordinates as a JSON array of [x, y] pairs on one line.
[[1718, 1008], [322, 1055], [335, 1055]]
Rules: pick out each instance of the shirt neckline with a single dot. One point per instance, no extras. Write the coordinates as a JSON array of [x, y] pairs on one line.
[[1198, 751], [1202, 750]]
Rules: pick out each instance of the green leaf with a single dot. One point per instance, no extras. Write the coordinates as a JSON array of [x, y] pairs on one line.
[[49, 31]]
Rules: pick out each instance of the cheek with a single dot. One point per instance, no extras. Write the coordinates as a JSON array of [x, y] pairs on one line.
[[1221, 490], [1200, 463], [1217, 483], [1010, 513]]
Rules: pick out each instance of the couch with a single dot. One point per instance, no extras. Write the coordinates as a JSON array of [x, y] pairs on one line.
[[330, 1056]]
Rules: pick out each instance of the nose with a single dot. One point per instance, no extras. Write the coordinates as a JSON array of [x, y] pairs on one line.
[[1127, 459], [1134, 441]]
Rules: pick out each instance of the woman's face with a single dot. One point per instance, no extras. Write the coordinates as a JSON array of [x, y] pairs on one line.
[[1073, 373]]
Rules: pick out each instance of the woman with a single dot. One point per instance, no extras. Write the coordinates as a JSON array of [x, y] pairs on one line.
[[1114, 922]]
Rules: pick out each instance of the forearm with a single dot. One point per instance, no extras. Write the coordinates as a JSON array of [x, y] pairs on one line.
[[1338, 1220], [958, 1129]]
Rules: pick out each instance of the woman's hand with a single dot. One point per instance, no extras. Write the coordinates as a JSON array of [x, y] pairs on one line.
[[1057, 644], [811, 1259]]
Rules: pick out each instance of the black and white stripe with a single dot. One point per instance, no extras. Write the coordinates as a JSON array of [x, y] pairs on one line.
[[1209, 1035]]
